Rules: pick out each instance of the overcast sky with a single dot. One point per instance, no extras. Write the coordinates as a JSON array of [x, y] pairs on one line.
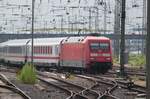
[[15, 15]]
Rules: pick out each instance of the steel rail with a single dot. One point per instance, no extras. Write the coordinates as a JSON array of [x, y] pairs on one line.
[[66, 90], [82, 92], [12, 87], [107, 91]]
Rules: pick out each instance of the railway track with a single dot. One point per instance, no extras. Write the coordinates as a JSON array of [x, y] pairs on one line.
[[118, 90], [89, 86], [129, 71], [132, 73], [97, 87], [135, 88], [40, 90], [77, 90], [68, 94], [9, 90], [123, 91], [102, 86], [78, 93]]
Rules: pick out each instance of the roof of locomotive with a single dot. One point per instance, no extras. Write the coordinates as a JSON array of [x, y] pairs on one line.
[[83, 39], [101, 37]]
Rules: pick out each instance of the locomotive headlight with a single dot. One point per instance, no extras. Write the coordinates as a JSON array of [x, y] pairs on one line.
[[92, 58], [106, 55], [93, 54], [107, 58]]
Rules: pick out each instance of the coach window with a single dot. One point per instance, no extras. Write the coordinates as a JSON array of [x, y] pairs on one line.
[[47, 49], [18, 50], [34, 50], [0, 49], [5, 49], [44, 49], [39, 49], [56, 49]]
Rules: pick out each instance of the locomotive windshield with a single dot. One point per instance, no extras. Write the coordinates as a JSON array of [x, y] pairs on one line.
[[104, 46], [99, 46], [94, 46]]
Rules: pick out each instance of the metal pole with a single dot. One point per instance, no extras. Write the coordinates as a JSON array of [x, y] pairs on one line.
[[61, 27], [117, 27], [105, 15], [138, 39], [144, 24], [96, 19], [122, 43], [68, 24], [32, 31], [90, 19], [97, 16], [76, 24], [147, 52]]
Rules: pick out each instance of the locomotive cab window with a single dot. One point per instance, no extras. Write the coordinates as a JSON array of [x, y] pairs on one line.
[[94, 46], [99, 46], [104, 46]]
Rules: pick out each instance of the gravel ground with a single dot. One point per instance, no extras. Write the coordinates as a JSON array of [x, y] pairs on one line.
[[51, 92], [34, 92], [47, 91], [122, 93], [101, 88], [81, 82], [73, 79], [8, 94]]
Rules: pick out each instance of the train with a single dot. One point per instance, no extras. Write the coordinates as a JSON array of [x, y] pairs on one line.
[[84, 53]]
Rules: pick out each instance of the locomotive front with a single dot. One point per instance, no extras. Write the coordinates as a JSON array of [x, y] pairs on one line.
[[100, 55]]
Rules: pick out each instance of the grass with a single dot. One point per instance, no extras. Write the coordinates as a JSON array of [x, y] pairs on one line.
[[115, 60], [28, 74], [135, 60]]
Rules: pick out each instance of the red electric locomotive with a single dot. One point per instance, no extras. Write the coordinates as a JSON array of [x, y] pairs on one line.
[[93, 54]]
